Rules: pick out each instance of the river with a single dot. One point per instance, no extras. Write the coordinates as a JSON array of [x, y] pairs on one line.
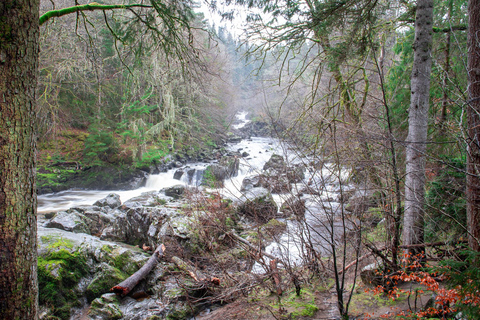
[[322, 207]]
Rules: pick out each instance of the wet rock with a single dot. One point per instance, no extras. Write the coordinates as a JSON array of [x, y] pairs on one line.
[[275, 184], [73, 266], [178, 164], [215, 174], [106, 276], [176, 191], [94, 217], [112, 201], [257, 204], [293, 205], [296, 174], [107, 307], [133, 223], [276, 162], [178, 174], [273, 229], [68, 221]]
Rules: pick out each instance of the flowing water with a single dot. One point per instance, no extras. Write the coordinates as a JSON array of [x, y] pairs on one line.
[[259, 149], [321, 207]]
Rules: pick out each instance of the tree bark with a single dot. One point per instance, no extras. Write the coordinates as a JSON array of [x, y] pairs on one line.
[[19, 32], [473, 116], [417, 126]]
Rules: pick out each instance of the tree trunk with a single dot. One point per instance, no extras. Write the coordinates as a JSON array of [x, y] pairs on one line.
[[19, 31], [417, 125], [473, 146]]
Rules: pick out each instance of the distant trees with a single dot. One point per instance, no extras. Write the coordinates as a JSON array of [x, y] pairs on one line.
[[104, 69]]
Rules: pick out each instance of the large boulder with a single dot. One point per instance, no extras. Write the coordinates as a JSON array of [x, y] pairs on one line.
[[276, 163], [258, 205], [178, 174], [175, 192], [274, 183], [68, 221], [133, 222], [296, 173], [112, 201], [215, 174], [72, 267]]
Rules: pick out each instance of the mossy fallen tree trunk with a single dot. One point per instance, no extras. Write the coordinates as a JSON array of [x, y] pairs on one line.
[[126, 286]]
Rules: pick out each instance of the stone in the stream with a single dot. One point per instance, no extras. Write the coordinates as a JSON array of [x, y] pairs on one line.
[[176, 191], [257, 204], [293, 205], [94, 217], [276, 162], [72, 221], [296, 173], [112, 201], [133, 223], [178, 174]]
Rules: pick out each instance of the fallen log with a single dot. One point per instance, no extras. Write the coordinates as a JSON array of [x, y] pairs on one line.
[[123, 288], [355, 262]]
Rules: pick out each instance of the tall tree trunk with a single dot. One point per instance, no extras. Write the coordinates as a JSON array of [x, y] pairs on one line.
[[19, 31], [473, 114], [443, 116], [417, 125]]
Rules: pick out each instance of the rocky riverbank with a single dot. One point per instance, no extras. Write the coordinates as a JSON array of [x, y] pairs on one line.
[[86, 250]]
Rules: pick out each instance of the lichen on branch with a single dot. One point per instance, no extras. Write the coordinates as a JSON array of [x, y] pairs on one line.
[[87, 7]]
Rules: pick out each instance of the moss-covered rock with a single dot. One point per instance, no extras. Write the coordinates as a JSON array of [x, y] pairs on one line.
[[59, 272], [106, 277], [105, 308]]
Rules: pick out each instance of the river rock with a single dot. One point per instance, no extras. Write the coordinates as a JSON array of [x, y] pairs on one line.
[[176, 191], [296, 173], [275, 184], [96, 218], [68, 221], [293, 205], [112, 201], [107, 307], [258, 205], [133, 223], [178, 174], [276, 162], [72, 266], [215, 174]]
